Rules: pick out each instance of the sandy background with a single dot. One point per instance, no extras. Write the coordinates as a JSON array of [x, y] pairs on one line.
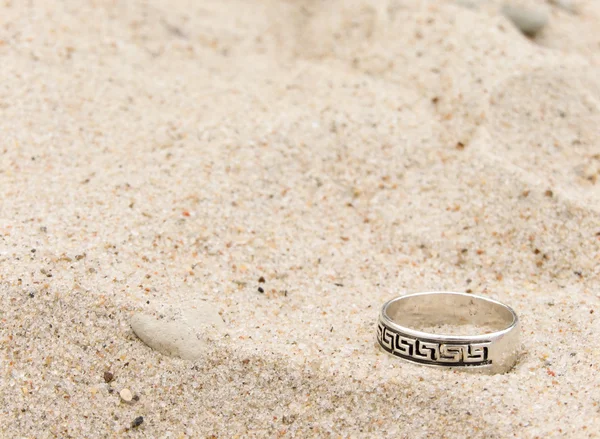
[[155, 152]]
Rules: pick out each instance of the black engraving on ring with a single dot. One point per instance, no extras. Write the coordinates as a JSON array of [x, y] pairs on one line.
[[432, 352]]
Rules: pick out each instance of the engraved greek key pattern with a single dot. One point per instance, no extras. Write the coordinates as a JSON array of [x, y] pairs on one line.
[[432, 352]]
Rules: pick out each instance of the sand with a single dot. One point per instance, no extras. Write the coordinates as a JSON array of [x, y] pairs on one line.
[[155, 152]]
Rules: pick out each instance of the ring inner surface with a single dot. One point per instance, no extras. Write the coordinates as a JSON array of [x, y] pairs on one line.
[[450, 314]]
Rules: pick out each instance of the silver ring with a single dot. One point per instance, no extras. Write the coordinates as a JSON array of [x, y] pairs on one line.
[[447, 329]]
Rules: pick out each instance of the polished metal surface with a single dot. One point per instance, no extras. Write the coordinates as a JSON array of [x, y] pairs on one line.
[[448, 329]]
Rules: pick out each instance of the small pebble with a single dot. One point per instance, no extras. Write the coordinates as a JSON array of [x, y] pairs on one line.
[[137, 422], [261, 280], [126, 395], [528, 19], [261, 290], [108, 376]]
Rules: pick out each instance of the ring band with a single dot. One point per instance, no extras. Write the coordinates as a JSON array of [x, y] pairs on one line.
[[415, 328]]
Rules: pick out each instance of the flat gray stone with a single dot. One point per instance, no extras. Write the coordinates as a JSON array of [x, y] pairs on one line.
[[528, 19], [567, 5], [184, 334], [469, 4]]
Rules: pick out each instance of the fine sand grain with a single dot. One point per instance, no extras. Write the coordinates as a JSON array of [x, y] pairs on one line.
[[156, 152]]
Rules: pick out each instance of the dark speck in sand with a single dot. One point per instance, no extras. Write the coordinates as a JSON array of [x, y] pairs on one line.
[[108, 376]]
